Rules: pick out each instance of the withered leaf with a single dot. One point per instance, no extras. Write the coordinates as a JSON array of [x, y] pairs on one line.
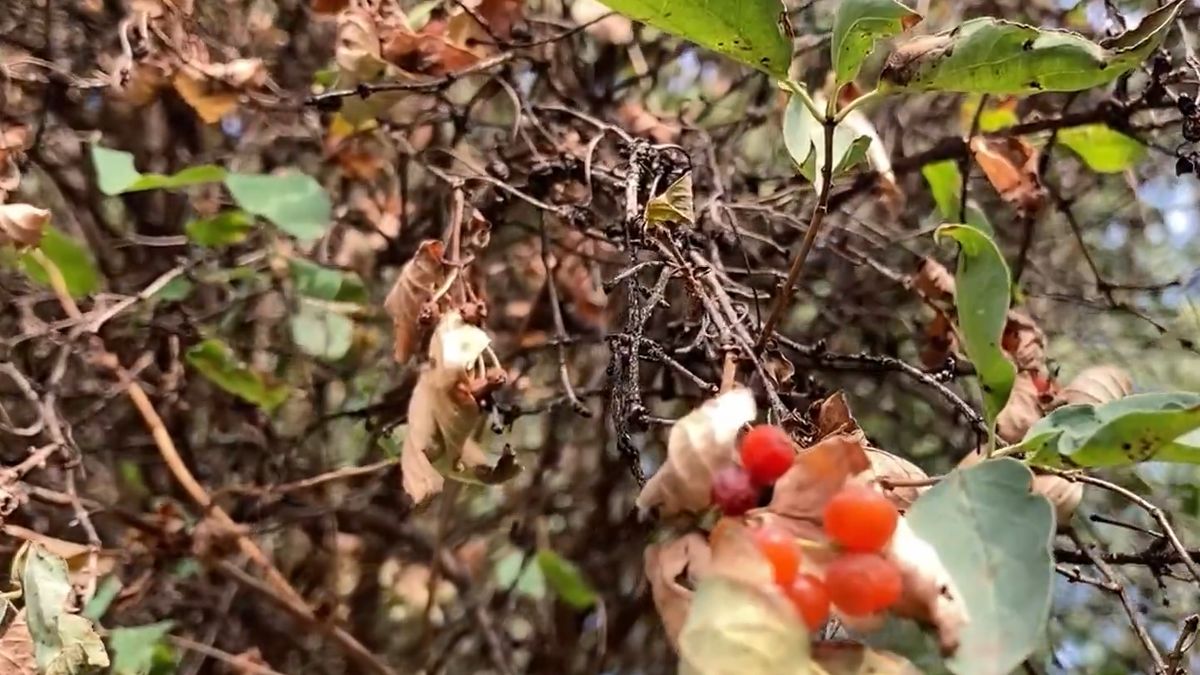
[[674, 205], [1011, 166], [930, 594], [442, 415], [209, 98], [16, 648], [934, 281], [1021, 411], [1025, 342], [834, 416], [817, 473], [886, 465], [407, 302], [673, 569], [700, 443], [1096, 385]]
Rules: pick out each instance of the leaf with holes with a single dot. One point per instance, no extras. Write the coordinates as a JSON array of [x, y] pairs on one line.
[[1102, 148], [116, 174], [982, 297], [1145, 427], [988, 55], [293, 202], [72, 259], [217, 362], [993, 536], [858, 25], [751, 31], [566, 579]]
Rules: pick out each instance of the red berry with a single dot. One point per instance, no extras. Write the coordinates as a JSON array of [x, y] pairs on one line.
[[860, 518], [811, 599], [733, 491], [781, 551], [863, 583], [1041, 384], [767, 453]]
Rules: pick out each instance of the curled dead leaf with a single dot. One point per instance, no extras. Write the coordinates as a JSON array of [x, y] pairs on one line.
[[408, 303], [700, 443], [673, 569], [1011, 166], [930, 594], [817, 473], [1025, 342], [209, 98], [22, 225], [359, 51], [432, 50], [1022, 410], [885, 465], [933, 281], [1096, 385], [833, 416], [442, 415]]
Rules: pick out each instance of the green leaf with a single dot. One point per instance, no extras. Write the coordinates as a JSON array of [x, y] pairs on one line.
[[1144, 427], [321, 332], [294, 202], [745, 30], [64, 643], [326, 283], [1102, 148], [988, 55], [733, 628], [512, 571], [674, 205], [217, 362], [982, 297], [993, 536], [566, 579], [134, 648], [116, 174], [804, 136], [105, 594], [174, 290], [72, 259], [858, 25], [227, 227], [945, 182]]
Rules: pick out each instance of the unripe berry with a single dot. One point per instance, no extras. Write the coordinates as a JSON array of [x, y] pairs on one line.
[[860, 519]]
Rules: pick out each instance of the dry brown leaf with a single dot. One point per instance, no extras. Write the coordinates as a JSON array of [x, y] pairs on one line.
[[1025, 342], [16, 648], [501, 15], [1011, 166], [817, 473], [640, 122], [1096, 385], [700, 443], [834, 416], [887, 465], [934, 281], [667, 566], [930, 594], [442, 415], [940, 341], [852, 658], [408, 303], [207, 97], [22, 225], [329, 6], [1021, 411], [430, 51], [359, 51]]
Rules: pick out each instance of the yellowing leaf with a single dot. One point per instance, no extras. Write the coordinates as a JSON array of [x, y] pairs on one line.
[[737, 629], [674, 205], [210, 101], [700, 443]]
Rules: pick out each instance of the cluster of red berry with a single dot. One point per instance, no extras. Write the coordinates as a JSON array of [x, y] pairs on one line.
[[861, 521]]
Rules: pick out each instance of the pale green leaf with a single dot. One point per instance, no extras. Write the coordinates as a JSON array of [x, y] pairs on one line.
[[217, 362], [858, 25], [326, 283], [1102, 148], [134, 647], [804, 137], [566, 579], [174, 290], [674, 205], [105, 594], [982, 298], [321, 332], [737, 629], [1144, 427], [81, 649], [745, 30], [988, 55], [116, 174], [64, 643], [227, 227], [294, 202], [71, 258], [993, 535], [945, 182]]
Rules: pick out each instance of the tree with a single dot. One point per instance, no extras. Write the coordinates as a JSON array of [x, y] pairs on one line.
[[365, 336]]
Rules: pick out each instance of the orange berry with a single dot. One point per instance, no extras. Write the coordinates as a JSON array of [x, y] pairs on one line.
[[860, 518], [811, 599], [767, 453], [781, 551], [860, 584]]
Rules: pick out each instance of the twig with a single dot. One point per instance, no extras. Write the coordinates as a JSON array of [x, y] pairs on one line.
[[560, 332], [240, 664]]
